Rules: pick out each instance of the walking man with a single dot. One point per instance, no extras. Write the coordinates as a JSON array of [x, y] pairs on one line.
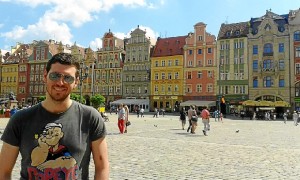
[[295, 118], [205, 120]]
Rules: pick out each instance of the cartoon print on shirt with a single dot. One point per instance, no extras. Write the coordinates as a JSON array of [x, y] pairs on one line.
[[49, 158]]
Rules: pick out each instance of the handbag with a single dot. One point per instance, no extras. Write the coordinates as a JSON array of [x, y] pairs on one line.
[[128, 123]]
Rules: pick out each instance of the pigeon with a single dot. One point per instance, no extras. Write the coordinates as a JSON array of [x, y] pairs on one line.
[[155, 125], [237, 131]]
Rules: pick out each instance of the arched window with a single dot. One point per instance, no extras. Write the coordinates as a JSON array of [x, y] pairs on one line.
[[267, 64], [268, 48]]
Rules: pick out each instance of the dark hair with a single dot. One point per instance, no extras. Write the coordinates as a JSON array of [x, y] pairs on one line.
[[64, 58]]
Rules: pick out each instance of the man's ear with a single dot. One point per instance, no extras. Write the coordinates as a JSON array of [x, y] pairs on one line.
[[76, 82], [45, 76]]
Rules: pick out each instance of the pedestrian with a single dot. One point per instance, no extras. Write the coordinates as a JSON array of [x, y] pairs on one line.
[[194, 119], [121, 118], [221, 117], [205, 120], [13, 111], [126, 117], [56, 136], [182, 118], [284, 117], [216, 115], [295, 118], [155, 112], [190, 118], [138, 111], [142, 112]]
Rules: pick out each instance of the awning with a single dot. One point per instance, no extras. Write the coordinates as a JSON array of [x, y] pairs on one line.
[[266, 108], [130, 101], [198, 103], [265, 103], [250, 103], [281, 104]]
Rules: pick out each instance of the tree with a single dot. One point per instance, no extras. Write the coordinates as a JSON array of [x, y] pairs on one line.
[[42, 98], [76, 97], [97, 100]]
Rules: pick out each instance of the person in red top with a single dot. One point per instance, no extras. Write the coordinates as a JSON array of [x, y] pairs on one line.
[[205, 120]]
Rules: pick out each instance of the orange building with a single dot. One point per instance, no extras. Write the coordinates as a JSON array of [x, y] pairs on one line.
[[200, 69]]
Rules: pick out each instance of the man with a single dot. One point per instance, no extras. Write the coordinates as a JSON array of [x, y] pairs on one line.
[[57, 136], [205, 120], [295, 118]]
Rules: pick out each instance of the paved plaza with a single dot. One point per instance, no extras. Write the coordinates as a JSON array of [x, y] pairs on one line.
[[157, 148]]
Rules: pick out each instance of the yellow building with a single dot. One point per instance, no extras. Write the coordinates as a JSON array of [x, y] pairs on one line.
[[167, 77], [9, 74]]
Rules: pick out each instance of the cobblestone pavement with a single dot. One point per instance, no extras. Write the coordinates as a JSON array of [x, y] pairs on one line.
[[157, 148]]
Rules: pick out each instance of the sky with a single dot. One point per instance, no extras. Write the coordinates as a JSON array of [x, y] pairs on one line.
[[84, 22]]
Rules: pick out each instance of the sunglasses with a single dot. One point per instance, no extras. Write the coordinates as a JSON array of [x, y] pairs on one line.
[[54, 76]]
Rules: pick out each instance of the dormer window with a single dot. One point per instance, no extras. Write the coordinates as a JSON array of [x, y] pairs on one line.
[[228, 34], [237, 33], [268, 27], [281, 29]]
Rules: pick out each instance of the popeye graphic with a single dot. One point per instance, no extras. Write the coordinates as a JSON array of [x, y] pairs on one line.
[[52, 159]]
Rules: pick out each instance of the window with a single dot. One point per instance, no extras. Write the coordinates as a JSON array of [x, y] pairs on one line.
[[235, 89], [281, 47], [209, 62], [199, 88], [267, 81], [237, 33], [170, 63], [162, 88], [188, 89], [199, 63], [190, 63], [281, 81], [297, 52], [281, 64], [169, 88], [169, 75], [255, 65], [255, 49], [156, 63], [156, 76], [176, 88], [176, 62], [199, 51], [200, 38], [209, 74], [189, 75], [255, 82], [268, 48], [209, 50], [267, 64], [176, 75], [190, 52], [199, 74], [163, 63], [297, 36], [209, 88], [163, 75], [297, 68], [156, 88]]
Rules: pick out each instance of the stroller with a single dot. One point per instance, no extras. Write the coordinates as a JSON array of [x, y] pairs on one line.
[[104, 116]]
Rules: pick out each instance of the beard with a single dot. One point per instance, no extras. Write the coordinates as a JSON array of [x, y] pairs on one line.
[[58, 97]]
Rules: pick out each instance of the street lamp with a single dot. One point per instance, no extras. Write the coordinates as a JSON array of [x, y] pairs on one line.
[[83, 74]]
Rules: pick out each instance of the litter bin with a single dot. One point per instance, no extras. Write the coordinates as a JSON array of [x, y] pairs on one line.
[[7, 113]]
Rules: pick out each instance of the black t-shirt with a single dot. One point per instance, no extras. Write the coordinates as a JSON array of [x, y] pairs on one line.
[[67, 137]]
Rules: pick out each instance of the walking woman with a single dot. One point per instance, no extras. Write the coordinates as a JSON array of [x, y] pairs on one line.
[[121, 118], [182, 117], [126, 117]]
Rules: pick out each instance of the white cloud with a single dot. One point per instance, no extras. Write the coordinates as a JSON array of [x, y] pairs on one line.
[[44, 29], [55, 23], [95, 44]]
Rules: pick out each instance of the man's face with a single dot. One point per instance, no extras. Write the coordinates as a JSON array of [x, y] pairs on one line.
[[59, 90]]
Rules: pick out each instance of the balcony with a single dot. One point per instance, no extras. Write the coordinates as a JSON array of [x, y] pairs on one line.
[[268, 54]]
